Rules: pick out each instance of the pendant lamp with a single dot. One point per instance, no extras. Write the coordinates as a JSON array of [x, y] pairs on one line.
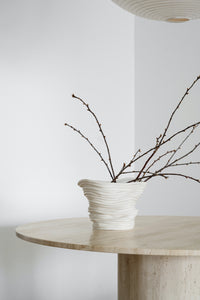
[[176, 11]]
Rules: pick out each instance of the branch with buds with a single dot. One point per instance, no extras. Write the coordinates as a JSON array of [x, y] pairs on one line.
[[145, 173]]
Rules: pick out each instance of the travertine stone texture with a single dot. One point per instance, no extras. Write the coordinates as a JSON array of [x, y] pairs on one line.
[[179, 236], [144, 277]]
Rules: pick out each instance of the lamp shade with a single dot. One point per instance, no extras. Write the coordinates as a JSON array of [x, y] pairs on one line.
[[176, 11]]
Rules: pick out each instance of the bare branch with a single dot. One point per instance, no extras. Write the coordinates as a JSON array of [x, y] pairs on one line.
[[134, 159], [95, 149], [180, 131], [146, 177], [156, 160], [167, 127], [185, 155], [175, 174], [177, 107], [129, 172], [100, 129], [186, 164], [172, 163], [125, 166], [181, 144], [145, 173], [173, 153]]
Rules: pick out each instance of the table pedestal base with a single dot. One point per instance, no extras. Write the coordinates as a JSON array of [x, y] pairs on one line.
[[145, 277]]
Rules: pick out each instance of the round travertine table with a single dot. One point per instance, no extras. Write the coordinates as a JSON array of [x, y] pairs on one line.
[[158, 260]]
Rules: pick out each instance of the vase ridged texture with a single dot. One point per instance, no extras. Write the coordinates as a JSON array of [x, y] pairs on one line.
[[112, 205], [162, 10]]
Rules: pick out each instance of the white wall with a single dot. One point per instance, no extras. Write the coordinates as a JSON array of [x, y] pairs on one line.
[[167, 61], [49, 50]]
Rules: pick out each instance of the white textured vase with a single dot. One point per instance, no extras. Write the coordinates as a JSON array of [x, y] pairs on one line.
[[112, 205]]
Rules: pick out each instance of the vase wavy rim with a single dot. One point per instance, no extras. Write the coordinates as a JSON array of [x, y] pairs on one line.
[[104, 182]]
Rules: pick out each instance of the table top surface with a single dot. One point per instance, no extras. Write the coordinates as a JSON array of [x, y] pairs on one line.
[[152, 235]]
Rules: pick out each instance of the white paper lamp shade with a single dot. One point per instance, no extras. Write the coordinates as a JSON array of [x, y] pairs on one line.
[[163, 10]]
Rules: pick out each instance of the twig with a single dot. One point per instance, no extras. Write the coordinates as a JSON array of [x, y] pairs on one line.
[[176, 174], [174, 151], [129, 172], [125, 166], [181, 144], [186, 164], [188, 153], [177, 107], [167, 127], [145, 173], [100, 129], [156, 160], [95, 149], [172, 163], [146, 177]]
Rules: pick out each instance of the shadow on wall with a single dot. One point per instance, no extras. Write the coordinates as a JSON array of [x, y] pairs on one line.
[[16, 267], [34, 272]]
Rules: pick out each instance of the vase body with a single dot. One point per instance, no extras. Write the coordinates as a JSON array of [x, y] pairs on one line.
[[112, 205]]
